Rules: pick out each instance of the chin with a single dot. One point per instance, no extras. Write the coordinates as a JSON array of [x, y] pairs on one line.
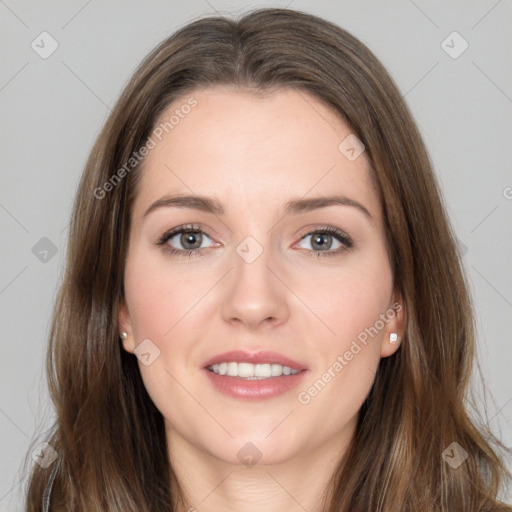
[[253, 451]]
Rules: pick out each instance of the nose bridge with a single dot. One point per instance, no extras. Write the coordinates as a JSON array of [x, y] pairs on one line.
[[255, 295], [252, 261]]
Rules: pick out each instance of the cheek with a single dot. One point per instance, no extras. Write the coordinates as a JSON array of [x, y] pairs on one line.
[[351, 298], [159, 296], [160, 300], [352, 305]]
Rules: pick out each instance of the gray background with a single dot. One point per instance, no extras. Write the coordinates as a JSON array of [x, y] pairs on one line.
[[52, 109]]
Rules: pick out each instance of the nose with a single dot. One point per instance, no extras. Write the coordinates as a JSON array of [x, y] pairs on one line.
[[255, 295]]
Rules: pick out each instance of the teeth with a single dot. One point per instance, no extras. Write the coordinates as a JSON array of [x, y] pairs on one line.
[[251, 371]]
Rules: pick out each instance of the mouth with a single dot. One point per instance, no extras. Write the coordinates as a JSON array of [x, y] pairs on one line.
[[259, 375]]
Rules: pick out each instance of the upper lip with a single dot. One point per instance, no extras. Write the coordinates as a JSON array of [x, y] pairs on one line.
[[260, 357]]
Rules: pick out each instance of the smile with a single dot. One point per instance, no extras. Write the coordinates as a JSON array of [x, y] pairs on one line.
[[251, 371]]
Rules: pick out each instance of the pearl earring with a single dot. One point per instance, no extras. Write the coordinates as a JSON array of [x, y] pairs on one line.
[[393, 337], [124, 335]]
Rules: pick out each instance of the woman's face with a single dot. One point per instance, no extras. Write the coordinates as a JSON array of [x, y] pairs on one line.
[[271, 266]]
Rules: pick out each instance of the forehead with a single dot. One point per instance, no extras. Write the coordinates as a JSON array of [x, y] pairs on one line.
[[251, 148]]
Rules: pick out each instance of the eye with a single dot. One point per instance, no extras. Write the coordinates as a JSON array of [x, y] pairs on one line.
[[190, 240], [329, 240], [185, 240]]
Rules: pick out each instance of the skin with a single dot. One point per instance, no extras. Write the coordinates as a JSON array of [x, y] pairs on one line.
[[253, 155]]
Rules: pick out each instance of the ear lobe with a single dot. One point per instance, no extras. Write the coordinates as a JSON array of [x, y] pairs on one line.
[[394, 330], [124, 325]]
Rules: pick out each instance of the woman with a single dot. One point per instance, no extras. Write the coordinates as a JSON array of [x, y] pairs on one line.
[[262, 291]]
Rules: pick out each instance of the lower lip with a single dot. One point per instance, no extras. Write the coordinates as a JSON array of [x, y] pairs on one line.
[[255, 389]]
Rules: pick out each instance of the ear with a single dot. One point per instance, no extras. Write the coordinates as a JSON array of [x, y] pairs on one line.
[[397, 320], [125, 325]]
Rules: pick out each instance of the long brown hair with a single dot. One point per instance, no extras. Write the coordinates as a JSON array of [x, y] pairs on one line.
[[108, 434]]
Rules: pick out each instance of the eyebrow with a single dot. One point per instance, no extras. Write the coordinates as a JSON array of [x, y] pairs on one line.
[[294, 207]]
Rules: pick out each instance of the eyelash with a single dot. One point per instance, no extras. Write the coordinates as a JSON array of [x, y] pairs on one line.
[[192, 228]]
